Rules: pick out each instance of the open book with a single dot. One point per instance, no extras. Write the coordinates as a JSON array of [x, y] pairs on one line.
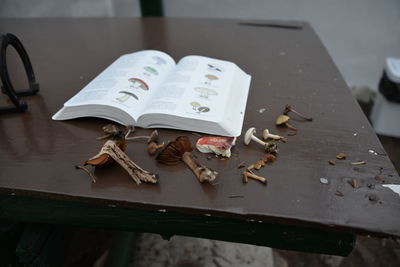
[[148, 89]]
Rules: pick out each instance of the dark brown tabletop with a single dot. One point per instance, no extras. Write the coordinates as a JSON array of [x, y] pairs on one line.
[[288, 66]]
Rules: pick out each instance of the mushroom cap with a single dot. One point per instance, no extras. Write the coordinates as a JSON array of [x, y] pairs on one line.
[[172, 153], [247, 137], [282, 119], [265, 134]]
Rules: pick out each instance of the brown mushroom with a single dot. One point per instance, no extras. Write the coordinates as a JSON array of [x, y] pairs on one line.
[[289, 108], [152, 141], [282, 120], [180, 150]]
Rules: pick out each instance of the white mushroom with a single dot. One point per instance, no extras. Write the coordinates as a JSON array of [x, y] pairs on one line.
[[267, 135], [250, 136]]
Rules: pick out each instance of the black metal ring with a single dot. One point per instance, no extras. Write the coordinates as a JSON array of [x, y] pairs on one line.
[[7, 88]]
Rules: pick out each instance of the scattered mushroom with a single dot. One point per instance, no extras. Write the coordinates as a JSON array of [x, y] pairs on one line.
[[353, 183], [289, 108], [216, 144], [249, 136], [247, 175], [267, 135], [339, 193], [357, 163], [109, 130], [152, 141], [332, 162], [113, 151], [282, 120], [341, 156], [180, 150]]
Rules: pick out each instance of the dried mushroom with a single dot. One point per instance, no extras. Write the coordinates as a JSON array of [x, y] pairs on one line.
[[181, 150], [113, 151], [152, 141], [289, 108], [282, 120]]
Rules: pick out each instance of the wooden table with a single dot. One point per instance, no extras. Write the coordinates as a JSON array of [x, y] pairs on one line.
[[39, 183]]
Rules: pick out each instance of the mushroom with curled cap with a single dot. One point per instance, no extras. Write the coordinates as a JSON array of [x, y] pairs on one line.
[[181, 150], [282, 120]]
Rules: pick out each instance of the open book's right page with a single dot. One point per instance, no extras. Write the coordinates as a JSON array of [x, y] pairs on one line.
[[208, 91]]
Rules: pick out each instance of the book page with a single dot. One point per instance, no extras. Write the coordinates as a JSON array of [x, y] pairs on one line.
[[198, 88], [127, 83]]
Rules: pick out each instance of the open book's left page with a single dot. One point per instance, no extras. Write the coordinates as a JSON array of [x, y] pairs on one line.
[[122, 90]]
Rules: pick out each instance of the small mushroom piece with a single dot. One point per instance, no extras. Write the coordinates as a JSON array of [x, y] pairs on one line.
[[253, 176], [181, 150], [282, 120], [289, 108], [267, 135]]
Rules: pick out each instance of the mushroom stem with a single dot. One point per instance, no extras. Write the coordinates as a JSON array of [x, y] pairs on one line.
[[291, 127], [202, 173], [256, 139], [247, 175], [137, 137], [267, 134], [289, 108]]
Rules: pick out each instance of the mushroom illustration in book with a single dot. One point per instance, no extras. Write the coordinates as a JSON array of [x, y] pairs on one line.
[[210, 78], [195, 105], [199, 108], [138, 84], [150, 71], [159, 60], [203, 109], [205, 92], [214, 67], [126, 95]]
